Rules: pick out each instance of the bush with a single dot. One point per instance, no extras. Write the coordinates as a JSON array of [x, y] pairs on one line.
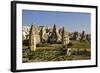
[[42, 45], [26, 42], [70, 44]]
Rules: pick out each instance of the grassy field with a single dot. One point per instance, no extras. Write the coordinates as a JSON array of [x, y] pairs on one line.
[[57, 52], [78, 44]]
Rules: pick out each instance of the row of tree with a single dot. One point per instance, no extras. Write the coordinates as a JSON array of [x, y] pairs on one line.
[[52, 38]]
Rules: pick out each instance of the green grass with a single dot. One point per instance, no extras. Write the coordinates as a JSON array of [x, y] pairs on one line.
[[53, 55], [57, 52], [78, 44]]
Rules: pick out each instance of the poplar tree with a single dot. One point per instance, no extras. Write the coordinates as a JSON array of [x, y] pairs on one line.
[[63, 31]]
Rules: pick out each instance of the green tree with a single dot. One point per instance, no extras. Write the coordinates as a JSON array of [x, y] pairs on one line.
[[54, 35], [41, 34], [82, 36], [63, 31], [30, 34]]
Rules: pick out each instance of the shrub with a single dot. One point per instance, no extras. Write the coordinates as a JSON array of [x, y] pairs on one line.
[[26, 42], [70, 44], [42, 45]]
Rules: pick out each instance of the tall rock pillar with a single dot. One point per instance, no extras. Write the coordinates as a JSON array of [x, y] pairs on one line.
[[32, 39]]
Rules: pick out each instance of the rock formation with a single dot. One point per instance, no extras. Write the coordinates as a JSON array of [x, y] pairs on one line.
[[53, 36], [25, 32], [41, 35], [65, 37], [33, 38]]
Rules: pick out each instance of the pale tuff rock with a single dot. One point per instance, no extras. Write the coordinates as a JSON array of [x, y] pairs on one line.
[[69, 52], [88, 37], [79, 36], [59, 36], [41, 34], [54, 35], [33, 38], [76, 36], [25, 32], [66, 40], [65, 37]]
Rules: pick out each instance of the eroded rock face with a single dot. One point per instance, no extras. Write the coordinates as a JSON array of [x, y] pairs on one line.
[[58, 36], [33, 38], [65, 37], [53, 36], [41, 34], [78, 36], [25, 32], [75, 36], [69, 52], [88, 37]]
